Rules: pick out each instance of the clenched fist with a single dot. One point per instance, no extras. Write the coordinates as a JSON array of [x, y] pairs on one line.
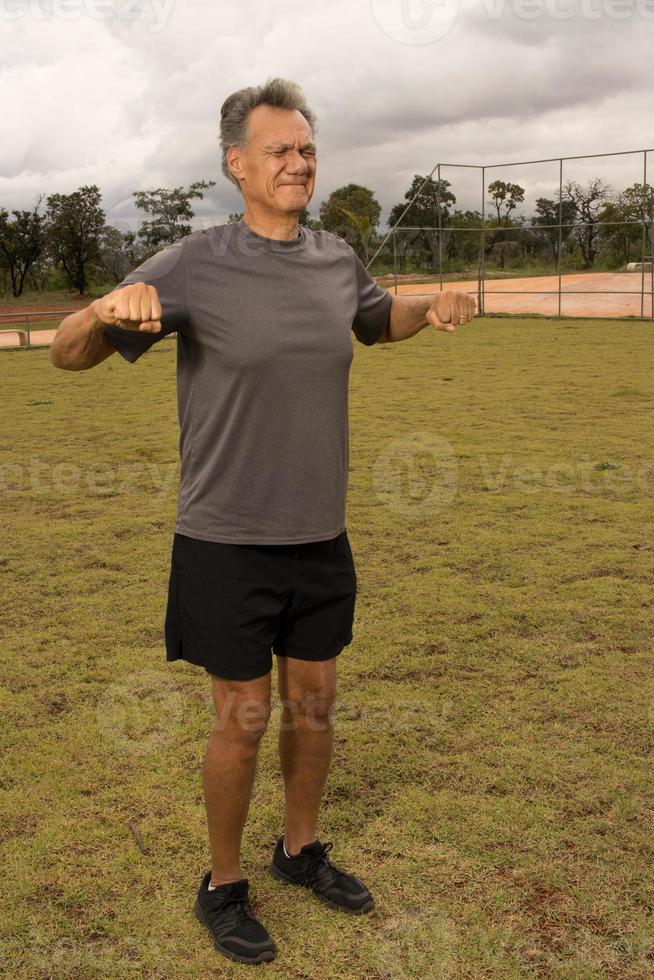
[[449, 309], [134, 307]]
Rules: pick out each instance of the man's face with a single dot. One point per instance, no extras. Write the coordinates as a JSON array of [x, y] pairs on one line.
[[277, 168]]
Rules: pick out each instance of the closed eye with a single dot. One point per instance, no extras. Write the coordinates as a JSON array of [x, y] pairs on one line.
[[281, 151]]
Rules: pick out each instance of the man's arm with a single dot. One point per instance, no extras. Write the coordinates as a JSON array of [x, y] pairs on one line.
[[410, 314], [79, 342]]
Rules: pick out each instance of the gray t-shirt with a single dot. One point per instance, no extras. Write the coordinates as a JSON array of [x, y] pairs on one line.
[[264, 348]]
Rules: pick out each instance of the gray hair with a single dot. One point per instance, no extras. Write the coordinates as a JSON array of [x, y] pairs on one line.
[[277, 92]]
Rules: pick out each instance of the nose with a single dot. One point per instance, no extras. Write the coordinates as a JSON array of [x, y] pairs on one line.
[[296, 163]]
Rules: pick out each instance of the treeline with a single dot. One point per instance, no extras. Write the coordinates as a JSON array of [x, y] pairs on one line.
[[65, 241], [578, 227]]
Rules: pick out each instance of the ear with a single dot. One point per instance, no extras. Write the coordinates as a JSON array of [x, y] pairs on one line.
[[234, 162]]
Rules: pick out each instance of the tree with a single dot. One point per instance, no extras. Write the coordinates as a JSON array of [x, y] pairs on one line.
[[364, 228], [22, 241], [423, 212], [624, 233], [434, 198], [75, 225], [547, 219], [505, 197], [462, 237], [305, 219], [119, 252], [588, 202], [360, 201], [4, 275], [501, 249], [309, 222], [171, 213]]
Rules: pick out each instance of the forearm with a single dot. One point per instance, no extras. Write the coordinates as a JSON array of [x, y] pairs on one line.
[[79, 342], [408, 317]]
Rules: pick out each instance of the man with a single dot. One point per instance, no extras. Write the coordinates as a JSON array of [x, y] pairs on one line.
[[264, 312]]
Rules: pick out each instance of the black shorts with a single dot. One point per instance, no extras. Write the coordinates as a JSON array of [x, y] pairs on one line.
[[231, 606]]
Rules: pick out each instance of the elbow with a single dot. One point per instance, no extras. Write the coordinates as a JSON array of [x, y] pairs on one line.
[[65, 365], [60, 355], [59, 359], [55, 357]]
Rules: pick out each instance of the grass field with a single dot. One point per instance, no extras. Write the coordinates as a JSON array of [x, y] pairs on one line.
[[492, 776]]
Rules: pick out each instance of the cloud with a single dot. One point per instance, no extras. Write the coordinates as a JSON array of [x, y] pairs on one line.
[[114, 103]]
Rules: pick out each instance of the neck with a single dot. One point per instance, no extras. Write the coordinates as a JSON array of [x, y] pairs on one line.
[[283, 227]]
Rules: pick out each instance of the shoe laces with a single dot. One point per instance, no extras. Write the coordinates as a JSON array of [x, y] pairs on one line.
[[234, 909], [319, 867]]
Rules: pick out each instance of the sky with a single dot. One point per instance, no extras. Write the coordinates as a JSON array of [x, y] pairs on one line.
[[126, 94]]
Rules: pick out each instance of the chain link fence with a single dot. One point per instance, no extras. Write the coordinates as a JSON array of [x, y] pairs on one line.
[[561, 237]]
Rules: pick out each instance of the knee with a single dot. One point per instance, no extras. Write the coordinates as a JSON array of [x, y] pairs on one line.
[[244, 721], [311, 707]]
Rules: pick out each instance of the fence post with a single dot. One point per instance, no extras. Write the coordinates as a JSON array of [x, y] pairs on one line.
[[395, 259], [440, 231], [644, 237], [29, 336], [558, 251], [481, 292]]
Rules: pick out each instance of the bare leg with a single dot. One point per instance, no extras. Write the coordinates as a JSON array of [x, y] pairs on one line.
[[242, 712], [307, 691]]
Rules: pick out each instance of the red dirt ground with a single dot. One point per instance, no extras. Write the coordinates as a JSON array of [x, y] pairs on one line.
[[585, 294]]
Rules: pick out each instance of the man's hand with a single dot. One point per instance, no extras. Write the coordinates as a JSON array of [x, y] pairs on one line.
[[134, 307], [449, 309]]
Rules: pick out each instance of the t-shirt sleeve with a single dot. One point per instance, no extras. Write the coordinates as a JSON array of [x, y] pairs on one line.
[[166, 272], [373, 306]]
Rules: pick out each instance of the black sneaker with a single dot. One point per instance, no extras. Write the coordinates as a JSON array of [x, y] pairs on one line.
[[313, 869], [227, 914]]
